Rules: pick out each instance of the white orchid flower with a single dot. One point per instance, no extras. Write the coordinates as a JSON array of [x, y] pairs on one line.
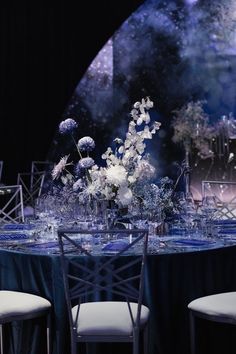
[[136, 105]]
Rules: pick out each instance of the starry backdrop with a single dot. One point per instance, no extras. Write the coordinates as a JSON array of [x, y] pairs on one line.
[[172, 51]]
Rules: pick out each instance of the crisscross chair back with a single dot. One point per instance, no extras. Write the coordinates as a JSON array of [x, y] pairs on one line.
[[32, 184], [118, 276], [225, 196], [11, 204], [39, 166]]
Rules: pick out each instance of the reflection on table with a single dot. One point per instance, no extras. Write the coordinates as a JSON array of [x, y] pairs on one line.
[[178, 270]]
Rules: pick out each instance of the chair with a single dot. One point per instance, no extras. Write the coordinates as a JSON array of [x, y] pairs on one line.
[[217, 308], [101, 277], [19, 306], [39, 166], [225, 196], [11, 204], [32, 184]]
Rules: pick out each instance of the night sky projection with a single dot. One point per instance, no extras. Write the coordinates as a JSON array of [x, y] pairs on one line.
[[174, 52]]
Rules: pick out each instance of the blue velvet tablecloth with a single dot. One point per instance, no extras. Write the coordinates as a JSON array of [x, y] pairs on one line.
[[171, 282]]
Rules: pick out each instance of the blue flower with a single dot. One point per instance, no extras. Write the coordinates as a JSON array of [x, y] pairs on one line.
[[67, 126], [86, 162], [86, 144], [79, 171]]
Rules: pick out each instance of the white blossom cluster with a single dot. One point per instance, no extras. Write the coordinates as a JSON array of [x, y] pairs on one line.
[[192, 129], [125, 165]]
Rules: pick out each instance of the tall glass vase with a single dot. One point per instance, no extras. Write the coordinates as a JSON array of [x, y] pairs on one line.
[[187, 147], [187, 173]]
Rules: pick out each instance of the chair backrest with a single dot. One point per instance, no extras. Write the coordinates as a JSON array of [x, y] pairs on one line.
[[32, 184], [225, 196], [118, 275], [11, 204], [1, 167], [40, 166]]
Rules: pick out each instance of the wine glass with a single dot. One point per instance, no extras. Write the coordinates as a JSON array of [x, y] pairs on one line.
[[209, 208], [155, 219], [188, 213], [209, 205]]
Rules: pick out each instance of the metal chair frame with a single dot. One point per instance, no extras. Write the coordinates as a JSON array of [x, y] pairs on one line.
[[12, 210], [39, 166], [28, 316], [97, 278], [32, 185], [213, 318], [225, 210]]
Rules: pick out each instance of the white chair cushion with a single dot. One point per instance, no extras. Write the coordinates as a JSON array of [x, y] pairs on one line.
[[221, 305], [13, 303], [107, 318]]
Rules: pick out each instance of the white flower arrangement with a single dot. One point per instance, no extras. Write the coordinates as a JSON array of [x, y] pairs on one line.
[[192, 129], [125, 165]]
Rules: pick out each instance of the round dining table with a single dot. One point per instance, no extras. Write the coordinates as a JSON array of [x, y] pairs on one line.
[[174, 276]]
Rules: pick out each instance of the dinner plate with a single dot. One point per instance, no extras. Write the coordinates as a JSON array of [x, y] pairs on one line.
[[227, 231], [43, 246], [193, 243]]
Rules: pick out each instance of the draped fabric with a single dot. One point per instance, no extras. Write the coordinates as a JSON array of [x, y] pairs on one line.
[[171, 282]]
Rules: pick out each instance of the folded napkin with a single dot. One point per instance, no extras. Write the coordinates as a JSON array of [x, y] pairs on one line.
[[18, 227], [13, 236], [227, 231], [225, 222], [115, 246]]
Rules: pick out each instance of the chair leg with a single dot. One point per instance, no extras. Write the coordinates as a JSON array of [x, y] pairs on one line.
[[49, 333], [73, 344], [192, 333], [136, 341], [145, 340], [1, 339]]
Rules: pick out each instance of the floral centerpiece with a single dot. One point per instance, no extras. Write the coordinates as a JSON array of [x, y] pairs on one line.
[[127, 178], [192, 130]]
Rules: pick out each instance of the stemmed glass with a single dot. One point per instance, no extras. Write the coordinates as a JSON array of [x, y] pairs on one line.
[[46, 214], [188, 213], [155, 219], [209, 208]]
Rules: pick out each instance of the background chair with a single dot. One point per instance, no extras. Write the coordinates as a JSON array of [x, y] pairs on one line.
[[225, 197], [99, 277], [217, 308], [40, 166], [11, 204], [19, 306], [31, 189]]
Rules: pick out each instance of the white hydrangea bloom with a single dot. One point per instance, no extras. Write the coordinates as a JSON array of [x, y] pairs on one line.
[[116, 175], [124, 195]]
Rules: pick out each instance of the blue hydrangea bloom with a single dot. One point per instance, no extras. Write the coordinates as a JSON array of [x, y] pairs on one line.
[[67, 126], [79, 171], [86, 162], [86, 144]]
